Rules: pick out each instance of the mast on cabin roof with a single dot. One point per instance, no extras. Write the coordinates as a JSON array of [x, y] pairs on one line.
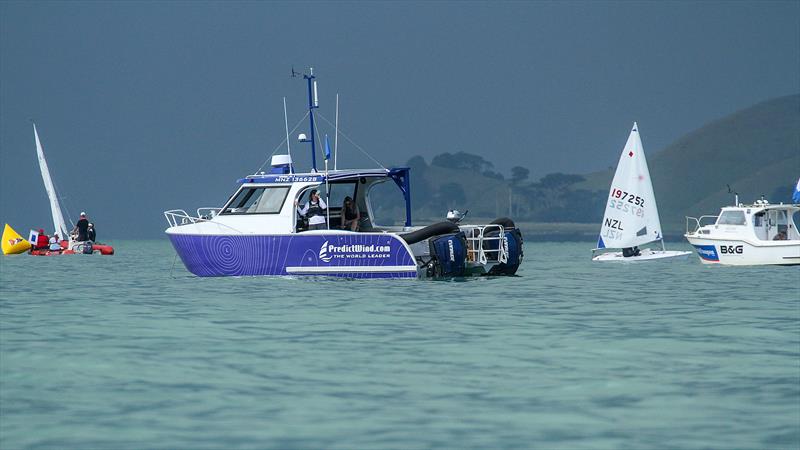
[[313, 103]]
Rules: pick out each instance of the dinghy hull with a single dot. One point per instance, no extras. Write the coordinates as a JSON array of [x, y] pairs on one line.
[[646, 255]]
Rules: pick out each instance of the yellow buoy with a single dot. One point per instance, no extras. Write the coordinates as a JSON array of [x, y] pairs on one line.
[[13, 243]]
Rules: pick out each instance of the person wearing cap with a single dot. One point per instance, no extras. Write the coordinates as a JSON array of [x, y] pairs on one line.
[[81, 228]]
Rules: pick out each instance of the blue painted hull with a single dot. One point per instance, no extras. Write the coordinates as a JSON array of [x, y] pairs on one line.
[[355, 255]]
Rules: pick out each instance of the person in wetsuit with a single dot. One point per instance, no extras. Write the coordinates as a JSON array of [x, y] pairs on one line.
[[81, 228], [350, 215], [314, 210]]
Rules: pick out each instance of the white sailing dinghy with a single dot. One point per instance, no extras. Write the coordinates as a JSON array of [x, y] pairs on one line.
[[631, 217], [67, 241], [59, 224]]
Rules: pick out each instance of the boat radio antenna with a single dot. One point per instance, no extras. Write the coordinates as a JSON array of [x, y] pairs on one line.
[[735, 195], [313, 103]]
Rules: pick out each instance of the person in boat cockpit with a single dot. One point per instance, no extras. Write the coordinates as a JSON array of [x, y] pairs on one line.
[[350, 215], [314, 210], [54, 244], [81, 228], [91, 233], [630, 251], [42, 241]]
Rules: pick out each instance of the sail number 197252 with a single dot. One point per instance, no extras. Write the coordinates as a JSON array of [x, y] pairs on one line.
[[623, 195]]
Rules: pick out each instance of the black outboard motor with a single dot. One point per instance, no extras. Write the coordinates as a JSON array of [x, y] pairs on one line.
[[514, 241], [88, 248], [448, 255]]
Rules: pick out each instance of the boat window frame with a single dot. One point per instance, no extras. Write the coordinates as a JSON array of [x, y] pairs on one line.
[[224, 211], [735, 212]]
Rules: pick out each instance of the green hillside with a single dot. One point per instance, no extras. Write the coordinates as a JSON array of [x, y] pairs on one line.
[[756, 151]]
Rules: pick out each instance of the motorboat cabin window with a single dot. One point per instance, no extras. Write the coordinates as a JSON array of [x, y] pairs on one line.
[[338, 191], [781, 222], [731, 218], [257, 200]]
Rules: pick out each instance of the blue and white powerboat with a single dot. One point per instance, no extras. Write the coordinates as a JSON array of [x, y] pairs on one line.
[[259, 230]]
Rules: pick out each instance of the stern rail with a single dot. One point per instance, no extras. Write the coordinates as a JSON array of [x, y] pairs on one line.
[[477, 238]]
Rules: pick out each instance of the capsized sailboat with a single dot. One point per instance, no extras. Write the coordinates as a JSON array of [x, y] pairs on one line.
[[631, 217], [67, 242]]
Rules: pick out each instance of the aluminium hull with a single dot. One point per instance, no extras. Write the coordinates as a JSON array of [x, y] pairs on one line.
[[740, 252], [339, 254]]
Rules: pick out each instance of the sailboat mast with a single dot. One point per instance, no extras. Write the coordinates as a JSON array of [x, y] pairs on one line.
[[313, 102]]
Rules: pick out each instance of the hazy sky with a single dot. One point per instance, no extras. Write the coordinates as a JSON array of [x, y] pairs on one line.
[[147, 106]]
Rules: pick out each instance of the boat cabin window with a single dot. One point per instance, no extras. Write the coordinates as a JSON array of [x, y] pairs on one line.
[[781, 221], [731, 218], [257, 200], [338, 191]]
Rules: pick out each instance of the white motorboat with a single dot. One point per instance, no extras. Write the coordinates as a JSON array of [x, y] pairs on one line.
[[747, 235], [631, 217]]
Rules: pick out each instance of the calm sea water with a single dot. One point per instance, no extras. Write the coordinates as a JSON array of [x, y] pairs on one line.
[[127, 352]]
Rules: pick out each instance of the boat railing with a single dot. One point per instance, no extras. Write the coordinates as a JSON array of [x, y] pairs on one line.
[[210, 212], [176, 217], [698, 222], [481, 247]]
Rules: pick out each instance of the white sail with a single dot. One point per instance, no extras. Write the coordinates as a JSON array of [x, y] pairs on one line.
[[59, 225], [631, 216]]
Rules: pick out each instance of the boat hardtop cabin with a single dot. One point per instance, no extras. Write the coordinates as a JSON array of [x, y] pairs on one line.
[[261, 229], [267, 201], [759, 221], [747, 234]]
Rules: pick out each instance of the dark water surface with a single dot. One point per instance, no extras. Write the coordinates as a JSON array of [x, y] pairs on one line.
[[123, 352]]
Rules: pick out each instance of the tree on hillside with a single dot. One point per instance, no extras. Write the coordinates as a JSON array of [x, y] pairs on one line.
[[462, 160], [417, 164], [493, 175], [519, 174], [421, 189], [557, 180]]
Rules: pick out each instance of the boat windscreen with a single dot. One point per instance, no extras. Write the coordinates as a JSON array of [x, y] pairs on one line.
[[731, 218], [257, 200]]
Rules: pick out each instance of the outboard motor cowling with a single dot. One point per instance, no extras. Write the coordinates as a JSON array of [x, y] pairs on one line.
[[449, 255], [513, 239], [88, 247]]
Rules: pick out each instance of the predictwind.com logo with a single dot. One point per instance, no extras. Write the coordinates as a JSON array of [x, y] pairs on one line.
[[328, 251]]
